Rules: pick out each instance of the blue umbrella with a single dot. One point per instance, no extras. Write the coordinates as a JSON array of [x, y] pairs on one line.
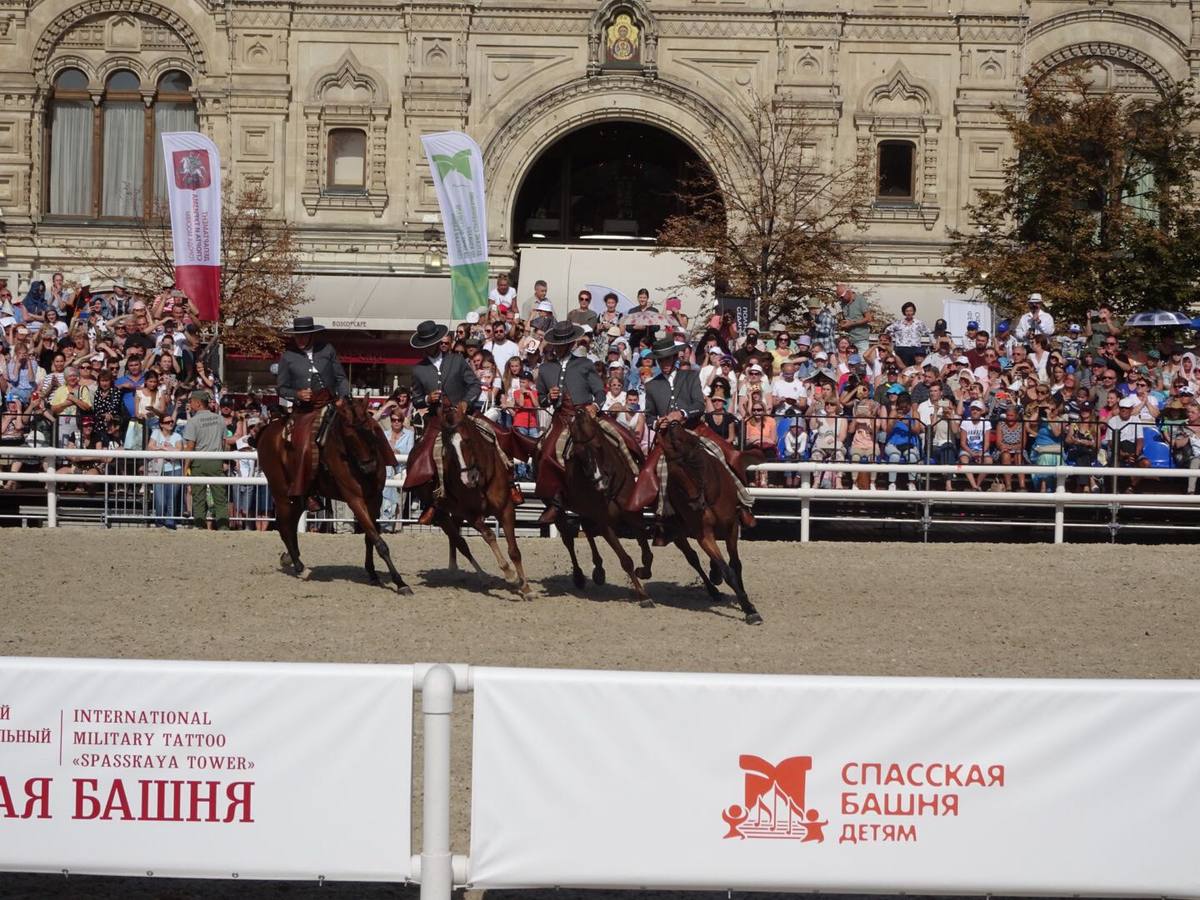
[[1196, 323], [1159, 318]]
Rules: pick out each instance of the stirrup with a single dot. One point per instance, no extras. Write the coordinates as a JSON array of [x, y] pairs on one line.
[[517, 497]]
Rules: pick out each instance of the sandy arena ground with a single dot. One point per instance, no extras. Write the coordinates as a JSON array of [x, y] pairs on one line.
[[864, 609]]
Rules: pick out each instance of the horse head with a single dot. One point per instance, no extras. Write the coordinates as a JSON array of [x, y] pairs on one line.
[[457, 435], [585, 441], [358, 433]]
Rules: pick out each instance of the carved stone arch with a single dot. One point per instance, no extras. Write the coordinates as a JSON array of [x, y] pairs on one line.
[[1090, 18], [1101, 51], [898, 93], [169, 64], [356, 83], [642, 17], [517, 144], [68, 61], [69, 18], [113, 63]]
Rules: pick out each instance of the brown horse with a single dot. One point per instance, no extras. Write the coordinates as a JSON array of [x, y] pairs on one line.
[[703, 500], [599, 480], [477, 485], [353, 469]]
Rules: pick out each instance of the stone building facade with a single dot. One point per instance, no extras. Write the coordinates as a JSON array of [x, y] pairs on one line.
[[322, 105]]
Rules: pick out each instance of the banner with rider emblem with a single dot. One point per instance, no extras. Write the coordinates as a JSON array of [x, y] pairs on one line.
[[456, 164], [845, 785], [194, 195]]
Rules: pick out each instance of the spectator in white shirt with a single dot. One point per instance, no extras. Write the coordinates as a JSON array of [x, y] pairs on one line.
[[1036, 321], [787, 391], [503, 295]]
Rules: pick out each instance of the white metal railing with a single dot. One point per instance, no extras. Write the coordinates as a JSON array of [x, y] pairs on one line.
[[1059, 499]]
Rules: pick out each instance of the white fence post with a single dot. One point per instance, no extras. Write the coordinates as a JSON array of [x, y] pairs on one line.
[[437, 703], [52, 504], [1060, 508], [805, 504]]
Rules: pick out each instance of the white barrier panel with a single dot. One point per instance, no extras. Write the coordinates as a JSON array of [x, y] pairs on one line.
[[247, 770], [609, 779]]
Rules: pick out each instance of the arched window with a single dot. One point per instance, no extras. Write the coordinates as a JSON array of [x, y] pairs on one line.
[[106, 160], [124, 145], [70, 146]]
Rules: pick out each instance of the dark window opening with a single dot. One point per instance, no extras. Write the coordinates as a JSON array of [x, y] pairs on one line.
[[614, 182], [896, 170]]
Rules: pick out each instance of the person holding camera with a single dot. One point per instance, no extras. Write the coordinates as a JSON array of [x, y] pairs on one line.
[[1036, 321], [1044, 426]]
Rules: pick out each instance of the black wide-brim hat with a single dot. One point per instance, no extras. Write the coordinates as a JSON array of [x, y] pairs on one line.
[[564, 333], [666, 347], [303, 325], [427, 334]]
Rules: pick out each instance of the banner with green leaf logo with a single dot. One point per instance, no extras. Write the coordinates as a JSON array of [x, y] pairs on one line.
[[457, 167]]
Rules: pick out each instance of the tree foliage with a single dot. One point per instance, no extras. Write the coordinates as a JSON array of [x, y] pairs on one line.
[[260, 287], [1099, 203], [771, 219]]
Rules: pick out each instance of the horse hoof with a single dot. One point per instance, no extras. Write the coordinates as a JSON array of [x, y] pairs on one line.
[[598, 575], [754, 619], [643, 572], [305, 574], [577, 577], [527, 594], [404, 590], [715, 576], [374, 581], [646, 603]]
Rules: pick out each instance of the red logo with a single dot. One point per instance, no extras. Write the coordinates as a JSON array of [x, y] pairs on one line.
[[774, 805], [192, 171]]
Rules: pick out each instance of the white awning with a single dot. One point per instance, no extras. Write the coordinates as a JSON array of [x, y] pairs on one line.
[[377, 302]]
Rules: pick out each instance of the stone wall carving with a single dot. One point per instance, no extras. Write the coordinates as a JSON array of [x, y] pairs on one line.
[[347, 96], [1128, 57]]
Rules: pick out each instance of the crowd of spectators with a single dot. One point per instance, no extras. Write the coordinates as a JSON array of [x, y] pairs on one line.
[[841, 385], [110, 370]]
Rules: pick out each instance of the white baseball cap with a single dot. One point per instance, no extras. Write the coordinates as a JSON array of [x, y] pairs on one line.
[[544, 306], [820, 354], [978, 404], [1128, 402]]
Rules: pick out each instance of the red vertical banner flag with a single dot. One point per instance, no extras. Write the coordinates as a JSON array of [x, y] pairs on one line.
[[194, 193]]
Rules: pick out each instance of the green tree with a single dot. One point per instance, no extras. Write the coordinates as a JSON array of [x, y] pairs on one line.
[[1099, 203], [772, 219]]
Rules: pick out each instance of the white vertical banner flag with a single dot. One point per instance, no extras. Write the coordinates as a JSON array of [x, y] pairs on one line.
[[193, 168], [204, 769], [456, 164], [845, 785]]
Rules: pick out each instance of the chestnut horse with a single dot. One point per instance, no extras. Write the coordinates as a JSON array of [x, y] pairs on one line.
[[353, 469], [600, 477], [477, 485], [703, 500]]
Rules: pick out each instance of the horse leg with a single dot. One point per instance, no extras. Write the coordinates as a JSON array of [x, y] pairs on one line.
[[287, 518], [458, 544], [708, 543], [627, 565], [647, 555], [362, 513], [490, 536], [508, 519], [589, 529], [694, 561], [369, 565], [735, 563], [568, 530]]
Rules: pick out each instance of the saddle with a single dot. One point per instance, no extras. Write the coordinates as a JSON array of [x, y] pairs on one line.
[[648, 486], [301, 433]]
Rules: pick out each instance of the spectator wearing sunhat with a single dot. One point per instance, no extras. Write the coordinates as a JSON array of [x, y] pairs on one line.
[[1036, 321], [543, 316]]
